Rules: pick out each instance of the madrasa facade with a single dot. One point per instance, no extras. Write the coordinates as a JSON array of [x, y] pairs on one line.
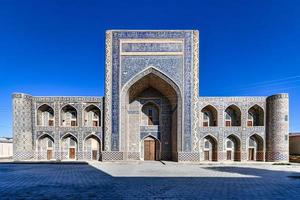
[[151, 111]]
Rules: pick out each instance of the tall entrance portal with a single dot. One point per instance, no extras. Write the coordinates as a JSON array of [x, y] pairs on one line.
[[150, 116], [151, 90]]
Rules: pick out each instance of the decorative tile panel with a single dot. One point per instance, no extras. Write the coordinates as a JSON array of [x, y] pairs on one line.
[[173, 57]]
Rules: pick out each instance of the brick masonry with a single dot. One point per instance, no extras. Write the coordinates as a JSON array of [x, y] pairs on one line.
[[158, 68]]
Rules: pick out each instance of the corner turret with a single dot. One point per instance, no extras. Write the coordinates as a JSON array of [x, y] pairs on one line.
[[22, 127], [277, 128]]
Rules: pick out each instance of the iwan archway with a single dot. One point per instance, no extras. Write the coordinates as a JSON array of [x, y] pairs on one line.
[[151, 106]]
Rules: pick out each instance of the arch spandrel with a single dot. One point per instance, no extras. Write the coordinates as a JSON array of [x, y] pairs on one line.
[[154, 71]]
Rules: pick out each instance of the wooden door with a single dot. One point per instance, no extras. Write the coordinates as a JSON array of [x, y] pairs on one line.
[[250, 123], [251, 154], [149, 150], [228, 123], [94, 154], [49, 154], [206, 155], [73, 123], [71, 153]]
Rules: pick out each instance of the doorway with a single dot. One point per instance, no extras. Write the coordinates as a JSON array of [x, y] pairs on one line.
[[251, 154], [94, 154], [49, 154], [71, 153], [150, 145], [229, 155]]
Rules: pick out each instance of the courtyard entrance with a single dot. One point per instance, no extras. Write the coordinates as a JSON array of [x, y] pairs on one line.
[[151, 107]]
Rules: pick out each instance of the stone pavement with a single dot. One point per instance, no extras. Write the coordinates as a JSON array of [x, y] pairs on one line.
[[149, 180]]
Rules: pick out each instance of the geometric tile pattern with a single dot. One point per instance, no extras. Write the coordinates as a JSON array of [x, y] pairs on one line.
[[172, 56], [27, 133], [133, 155], [175, 57], [277, 129], [112, 155], [188, 157]]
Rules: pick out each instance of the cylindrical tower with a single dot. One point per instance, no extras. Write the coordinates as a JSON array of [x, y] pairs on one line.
[[22, 127], [277, 128]]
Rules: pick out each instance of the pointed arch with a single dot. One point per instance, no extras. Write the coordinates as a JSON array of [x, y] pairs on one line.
[[69, 146], [209, 116], [92, 147], [45, 134], [155, 71], [45, 115], [152, 136], [161, 85], [151, 70], [67, 134], [233, 115], [256, 116], [92, 116], [150, 114], [210, 148], [233, 148], [255, 145], [68, 116], [45, 147]]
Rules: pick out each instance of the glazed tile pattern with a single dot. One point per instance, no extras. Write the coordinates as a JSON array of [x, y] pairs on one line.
[[119, 67], [134, 58], [27, 135]]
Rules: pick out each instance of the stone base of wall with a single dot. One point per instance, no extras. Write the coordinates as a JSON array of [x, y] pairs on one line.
[[118, 156], [177, 157], [277, 157], [135, 156], [24, 155], [188, 157], [112, 156]]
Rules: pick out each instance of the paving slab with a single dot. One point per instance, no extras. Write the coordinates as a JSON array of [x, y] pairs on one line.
[[149, 180]]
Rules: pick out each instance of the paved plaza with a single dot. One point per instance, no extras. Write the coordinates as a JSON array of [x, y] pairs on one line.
[[149, 180]]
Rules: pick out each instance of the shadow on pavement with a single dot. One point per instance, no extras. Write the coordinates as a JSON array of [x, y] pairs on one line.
[[83, 181]]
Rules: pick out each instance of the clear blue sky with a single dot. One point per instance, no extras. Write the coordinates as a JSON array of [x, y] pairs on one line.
[[247, 47]]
